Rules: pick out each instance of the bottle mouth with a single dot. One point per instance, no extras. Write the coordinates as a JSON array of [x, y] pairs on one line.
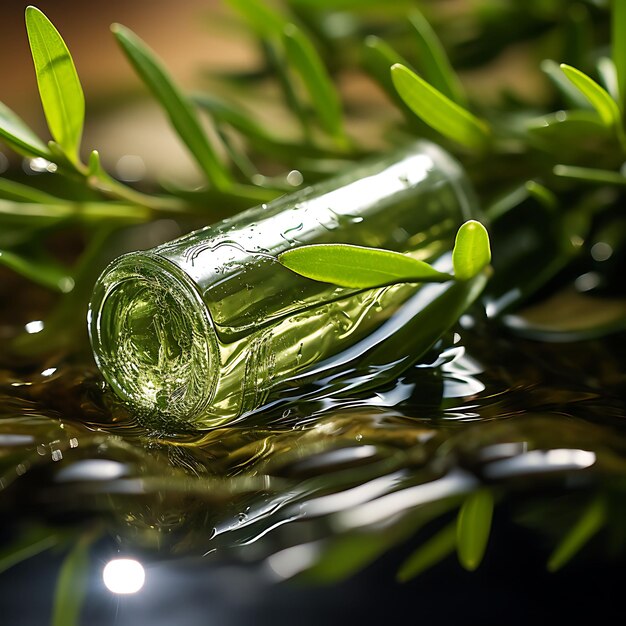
[[153, 340]]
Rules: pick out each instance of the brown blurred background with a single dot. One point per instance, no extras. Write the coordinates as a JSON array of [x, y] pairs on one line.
[[120, 119]]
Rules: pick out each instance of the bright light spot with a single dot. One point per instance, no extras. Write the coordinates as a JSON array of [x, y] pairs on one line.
[[66, 284], [601, 251], [587, 282], [40, 164], [124, 576], [130, 168], [36, 326], [292, 561], [295, 178], [49, 371]]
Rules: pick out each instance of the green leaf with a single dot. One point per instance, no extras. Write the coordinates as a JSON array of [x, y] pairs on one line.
[[179, 108], [304, 59], [618, 47], [71, 587], [471, 250], [429, 553], [378, 57], [59, 87], [19, 136], [572, 96], [438, 111], [589, 175], [358, 267], [590, 522], [473, 528], [29, 543], [434, 60], [11, 190], [261, 18], [597, 96], [44, 273], [542, 194]]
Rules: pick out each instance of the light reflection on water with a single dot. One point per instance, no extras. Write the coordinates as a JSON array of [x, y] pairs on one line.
[[291, 481]]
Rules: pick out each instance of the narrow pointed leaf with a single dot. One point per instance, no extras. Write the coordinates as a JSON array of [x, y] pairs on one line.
[[571, 95], [178, 107], [17, 135], [59, 87], [434, 61], [71, 587], [542, 194], [597, 96], [473, 528], [618, 48], [590, 175], [261, 18], [28, 544], [358, 267], [305, 60], [12, 190], [590, 522], [378, 57], [429, 553], [44, 273], [471, 250], [438, 111]]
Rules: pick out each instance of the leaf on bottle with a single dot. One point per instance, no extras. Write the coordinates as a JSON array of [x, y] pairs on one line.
[[472, 251], [358, 267], [178, 107], [438, 111], [59, 87]]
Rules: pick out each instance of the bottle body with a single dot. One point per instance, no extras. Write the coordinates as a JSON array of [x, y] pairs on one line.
[[199, 330]]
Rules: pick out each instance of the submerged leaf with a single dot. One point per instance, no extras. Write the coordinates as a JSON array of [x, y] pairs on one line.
[[429, 553], [59, 87], [471, 250], [358, 267], [71, 586], [473, 528], [179, 108], [439, 111], [590, 522]]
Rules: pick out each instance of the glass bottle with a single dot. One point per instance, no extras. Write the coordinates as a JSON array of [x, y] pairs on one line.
[[198, 331]]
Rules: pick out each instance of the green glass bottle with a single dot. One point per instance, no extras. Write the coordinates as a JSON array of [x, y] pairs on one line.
[[198, 331]]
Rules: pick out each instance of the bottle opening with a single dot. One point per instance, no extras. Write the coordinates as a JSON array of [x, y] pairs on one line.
[[153, 340]]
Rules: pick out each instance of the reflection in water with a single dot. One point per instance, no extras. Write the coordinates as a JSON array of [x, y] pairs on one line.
[[322, 486]]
